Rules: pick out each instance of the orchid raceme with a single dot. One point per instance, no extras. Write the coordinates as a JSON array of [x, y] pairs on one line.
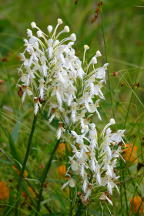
[[52, 72], [70, 89], [95, 158]]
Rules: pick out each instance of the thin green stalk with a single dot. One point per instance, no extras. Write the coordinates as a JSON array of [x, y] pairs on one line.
[[122, 171], [20, 180], [80, 209], [70, 196], [125, 193], [43, 177], [105, 51]]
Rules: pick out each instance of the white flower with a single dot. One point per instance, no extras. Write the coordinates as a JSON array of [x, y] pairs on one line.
[[37, 105], [96, 154], [79, 138], [117, 137], [71, 90], [60, 131]]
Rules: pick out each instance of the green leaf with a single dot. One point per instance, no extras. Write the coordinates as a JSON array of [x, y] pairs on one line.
[[15, 132], [12, 137], [13, 149]]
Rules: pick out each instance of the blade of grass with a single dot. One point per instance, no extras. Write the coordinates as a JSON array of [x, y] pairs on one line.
[[44, 175], [24, 164]]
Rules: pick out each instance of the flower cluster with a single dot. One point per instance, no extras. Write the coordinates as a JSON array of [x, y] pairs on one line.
[[46, 63], [95, 158], [52, 72], [71, 89]]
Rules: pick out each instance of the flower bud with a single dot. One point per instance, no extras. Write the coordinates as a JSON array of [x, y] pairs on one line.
[[112, 121], [73, 37], [33, 25], [60, 21], [94, 60], [98, 53], [29, 33], [50, 28], [39, 33], [86, 47], [66, 29]]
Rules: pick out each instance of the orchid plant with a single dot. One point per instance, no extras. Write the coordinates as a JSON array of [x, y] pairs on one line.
[[70, 90]]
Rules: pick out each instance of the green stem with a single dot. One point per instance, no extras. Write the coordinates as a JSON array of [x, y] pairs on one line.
[[43, 177], [20, 180], [80, 209], [123, 171], [71, 202], [105, 51]]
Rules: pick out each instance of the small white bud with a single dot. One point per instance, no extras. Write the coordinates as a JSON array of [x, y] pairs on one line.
[[98, 53], [33, 25], [66, 29], [86, 47], [94, 60], [29, 33], [50, 28], [112, 121], [39, 33], [60, 21], [73, 37]]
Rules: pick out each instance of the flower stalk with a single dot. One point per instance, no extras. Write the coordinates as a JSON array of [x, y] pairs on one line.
[[20, 180], [80, 209]]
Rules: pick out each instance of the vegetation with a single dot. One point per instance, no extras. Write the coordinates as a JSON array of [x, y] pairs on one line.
[[116, 29]]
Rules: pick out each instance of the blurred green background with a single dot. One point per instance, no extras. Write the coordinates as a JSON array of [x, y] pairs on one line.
[[114, 27]]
